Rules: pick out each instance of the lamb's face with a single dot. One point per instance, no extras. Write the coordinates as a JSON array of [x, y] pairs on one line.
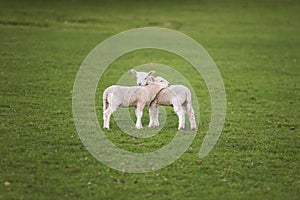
[[142, 78], [162, 83], [161, 80]]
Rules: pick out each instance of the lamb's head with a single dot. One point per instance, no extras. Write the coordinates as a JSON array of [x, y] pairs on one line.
[[161, 82], [142, 78]]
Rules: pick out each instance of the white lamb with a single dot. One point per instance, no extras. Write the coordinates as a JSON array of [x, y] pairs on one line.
[[177, 96], [121, 96]]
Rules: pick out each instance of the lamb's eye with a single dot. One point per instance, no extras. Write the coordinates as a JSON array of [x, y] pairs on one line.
[[145, 78]]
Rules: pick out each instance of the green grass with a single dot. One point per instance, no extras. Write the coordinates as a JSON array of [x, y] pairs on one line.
[[255, 45]]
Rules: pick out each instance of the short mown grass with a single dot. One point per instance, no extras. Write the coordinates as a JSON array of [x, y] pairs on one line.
[[255, 45]]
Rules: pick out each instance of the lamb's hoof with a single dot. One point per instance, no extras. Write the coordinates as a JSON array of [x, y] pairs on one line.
[[107, 128], [194, 128], [138, 127], [181, 128], [153, 125]]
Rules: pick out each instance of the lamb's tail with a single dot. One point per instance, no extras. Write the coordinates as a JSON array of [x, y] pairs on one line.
[[104, 98], [188, 99], [189, 109]]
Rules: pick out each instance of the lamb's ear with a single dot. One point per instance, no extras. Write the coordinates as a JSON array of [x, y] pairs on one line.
[[152, 79], [151, 73], [133, 72]]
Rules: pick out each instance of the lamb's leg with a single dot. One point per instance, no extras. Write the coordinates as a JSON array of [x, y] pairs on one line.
[[153, 112], [106, 117], [191, 115], [181, 116], [139, 114]]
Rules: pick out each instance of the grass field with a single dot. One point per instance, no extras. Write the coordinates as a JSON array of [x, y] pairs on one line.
[[255, 45]]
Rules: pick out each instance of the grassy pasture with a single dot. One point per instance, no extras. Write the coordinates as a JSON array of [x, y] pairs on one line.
[[255, 45]]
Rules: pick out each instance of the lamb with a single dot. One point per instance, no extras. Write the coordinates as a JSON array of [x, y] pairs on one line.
[[121, 96], [177, 96]]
